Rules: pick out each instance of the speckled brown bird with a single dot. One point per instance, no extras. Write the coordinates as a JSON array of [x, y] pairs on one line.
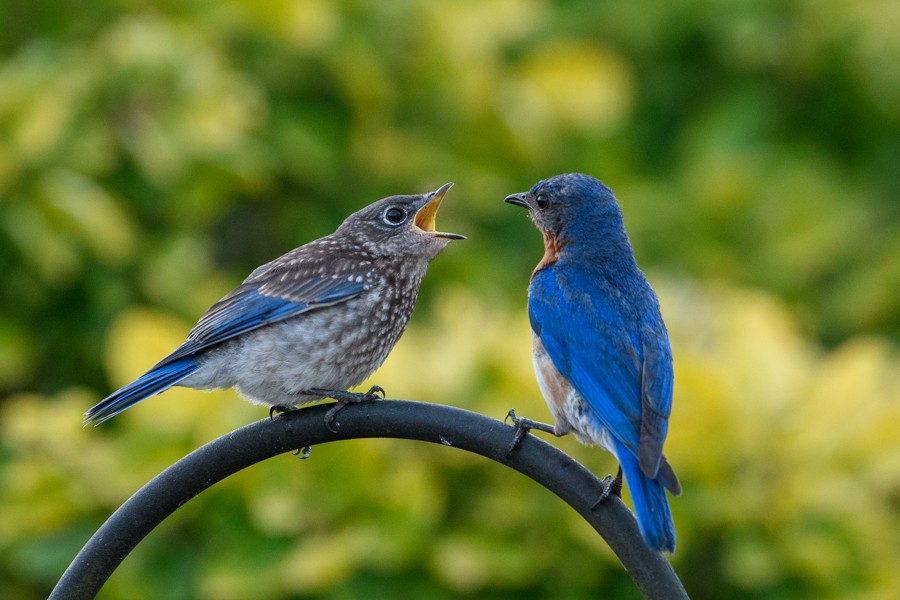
[[310, 324]]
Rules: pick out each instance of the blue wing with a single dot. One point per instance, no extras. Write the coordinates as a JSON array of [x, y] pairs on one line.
[[657, 380], [266, 297], [623, 371], [250, 307]]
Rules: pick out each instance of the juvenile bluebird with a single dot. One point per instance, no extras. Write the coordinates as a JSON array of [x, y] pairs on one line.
[[312, 323], [600, 348]]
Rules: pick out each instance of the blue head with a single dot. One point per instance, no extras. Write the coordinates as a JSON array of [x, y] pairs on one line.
[[576, 209]]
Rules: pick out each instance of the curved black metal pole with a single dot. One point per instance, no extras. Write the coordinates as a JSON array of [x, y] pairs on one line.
[[436, 423]]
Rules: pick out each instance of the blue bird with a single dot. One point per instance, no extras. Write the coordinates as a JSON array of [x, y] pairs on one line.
[[600, 348], [312, 323]]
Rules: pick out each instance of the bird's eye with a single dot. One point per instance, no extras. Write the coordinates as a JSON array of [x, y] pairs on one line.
[[542, 201], [394, 216]]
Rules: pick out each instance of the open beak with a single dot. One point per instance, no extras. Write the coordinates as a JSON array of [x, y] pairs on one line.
[[425, 216], [517, 199]]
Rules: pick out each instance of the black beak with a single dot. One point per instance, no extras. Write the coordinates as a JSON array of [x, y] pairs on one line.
[[517, 199]]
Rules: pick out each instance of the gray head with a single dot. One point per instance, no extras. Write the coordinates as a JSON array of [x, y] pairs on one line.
[[400, 226]]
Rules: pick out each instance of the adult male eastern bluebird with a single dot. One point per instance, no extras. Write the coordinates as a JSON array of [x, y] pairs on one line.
[[312, 323], [600, 348]]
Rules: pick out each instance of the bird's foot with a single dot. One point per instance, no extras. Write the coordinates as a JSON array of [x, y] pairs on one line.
[[280, 409], [303, 452], [613, 488], [523, 426], [344, 398]]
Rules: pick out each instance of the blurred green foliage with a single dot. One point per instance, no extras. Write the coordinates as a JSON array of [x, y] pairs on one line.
[[151, 154]]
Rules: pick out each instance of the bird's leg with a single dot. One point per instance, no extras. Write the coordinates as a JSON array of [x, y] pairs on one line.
[[523, 426], [613, 487], [344, 398]]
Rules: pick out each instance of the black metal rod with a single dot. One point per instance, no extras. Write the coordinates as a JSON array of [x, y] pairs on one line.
[[436, 423]]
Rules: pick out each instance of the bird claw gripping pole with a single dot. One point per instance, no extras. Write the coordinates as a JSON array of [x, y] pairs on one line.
[[613, 488], [280, 410], [523, 426], [344, 398]]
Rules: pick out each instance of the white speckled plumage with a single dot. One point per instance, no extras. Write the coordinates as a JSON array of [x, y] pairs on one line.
[[271, 366]]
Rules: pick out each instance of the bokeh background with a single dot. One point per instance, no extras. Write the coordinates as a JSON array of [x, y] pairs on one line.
[[153, 153]]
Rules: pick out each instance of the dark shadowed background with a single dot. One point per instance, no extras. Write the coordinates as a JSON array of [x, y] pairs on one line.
[[153, 153]]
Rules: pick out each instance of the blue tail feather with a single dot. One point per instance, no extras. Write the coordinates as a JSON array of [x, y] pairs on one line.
[[152, 382], [651, 507]]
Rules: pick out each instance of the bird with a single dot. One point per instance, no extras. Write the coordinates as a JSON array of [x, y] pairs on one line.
[[600, 348], [311, 324]]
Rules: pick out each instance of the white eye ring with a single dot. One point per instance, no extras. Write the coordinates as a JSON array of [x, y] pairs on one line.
[[394, 216]]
